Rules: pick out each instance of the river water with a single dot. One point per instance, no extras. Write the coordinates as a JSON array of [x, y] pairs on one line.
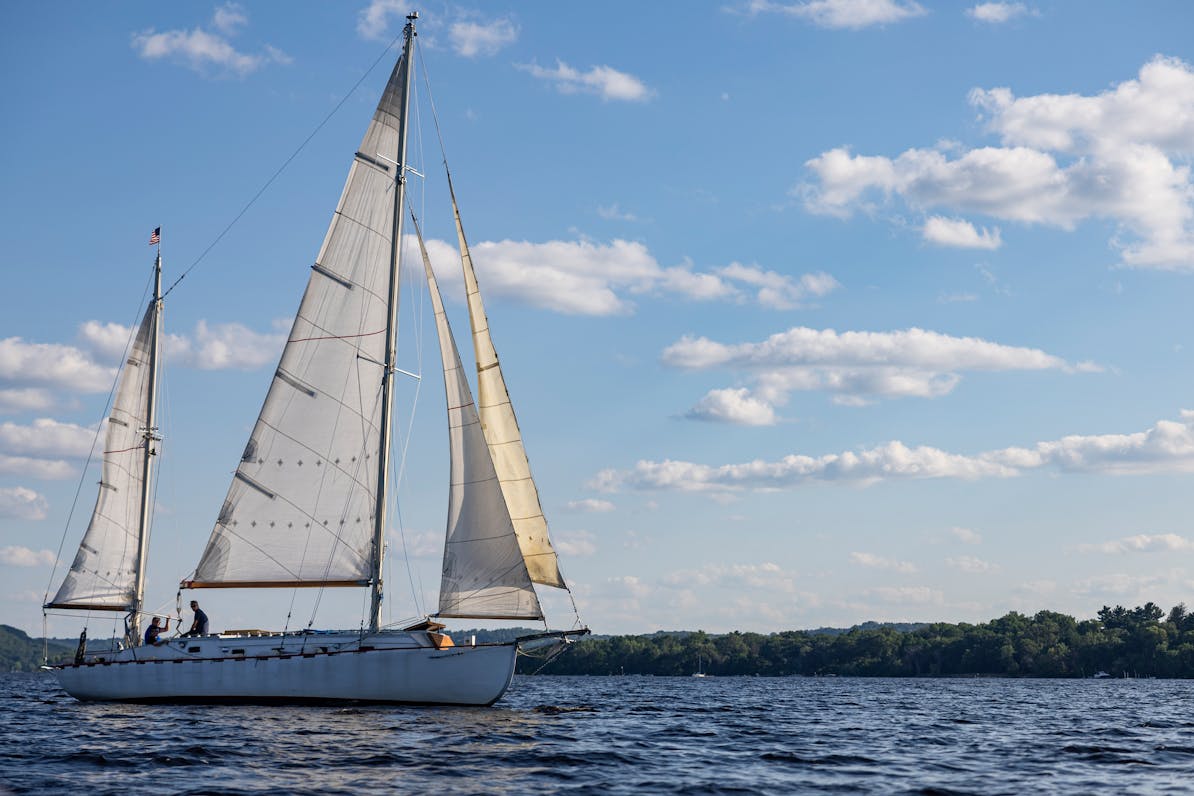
[[624, 735]]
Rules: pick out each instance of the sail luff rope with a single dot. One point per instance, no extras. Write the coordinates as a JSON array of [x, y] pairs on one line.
[[282, 168]]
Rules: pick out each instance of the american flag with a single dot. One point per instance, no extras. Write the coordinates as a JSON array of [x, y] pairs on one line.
[[156, 236]]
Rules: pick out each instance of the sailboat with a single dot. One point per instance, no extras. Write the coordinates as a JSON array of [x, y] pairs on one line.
[[307, 505]]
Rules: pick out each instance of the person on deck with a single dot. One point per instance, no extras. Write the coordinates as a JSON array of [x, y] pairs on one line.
[[199, 626], [154, 630]]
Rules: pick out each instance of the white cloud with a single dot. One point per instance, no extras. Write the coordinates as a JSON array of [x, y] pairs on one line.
[[471, 39], [1166, 447], [891, 461], [17, 556], [872, 561], [780, 291], [854, 366], [574, 543], [603, 81], [997, 13], [222, 346], [202, 50], [25, 399], [234, 346], [960, 234], [51, 365], [631, 585], [1117, 585], [802, 346], [733, 406], [1143, 543], [45, 469], [587, 278], [956, 298], [906, 595], [46, 437], [842, 13], [615, 213], [971, 564], [1120, 155], [373, 21], [768, 576], [591, 505], [1038, 587], [229, 18], [417, 544], [22, 503], [966, 535]]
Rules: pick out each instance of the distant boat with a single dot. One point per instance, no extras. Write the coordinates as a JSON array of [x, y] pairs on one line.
[[307, 505], [700, 672], [1101, 675]]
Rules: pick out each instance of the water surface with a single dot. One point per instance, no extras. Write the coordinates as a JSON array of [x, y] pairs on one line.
[[624, 735]]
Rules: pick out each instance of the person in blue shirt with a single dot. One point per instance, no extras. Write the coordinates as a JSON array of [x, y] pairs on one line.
[[199, 626], [154, 630]]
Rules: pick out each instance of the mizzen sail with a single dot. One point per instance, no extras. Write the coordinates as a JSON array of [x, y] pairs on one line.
[[503, 435], [301, 507], [484, 575], [103, 576]]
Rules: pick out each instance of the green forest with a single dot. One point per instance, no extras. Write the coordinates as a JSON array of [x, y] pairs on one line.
[[1144, 641], [20, 653]]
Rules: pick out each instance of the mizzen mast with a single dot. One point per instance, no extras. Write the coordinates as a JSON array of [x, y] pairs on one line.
[[149, 436]]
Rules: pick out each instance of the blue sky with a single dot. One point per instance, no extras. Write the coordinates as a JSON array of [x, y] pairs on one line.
[[812, 312]]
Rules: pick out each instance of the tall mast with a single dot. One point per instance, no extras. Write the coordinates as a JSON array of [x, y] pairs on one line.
[[387, 383], [134, 621]]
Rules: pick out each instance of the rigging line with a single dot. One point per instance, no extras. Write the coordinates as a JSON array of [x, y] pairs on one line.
[[282, 168], [335, 337], [91, 451], [434, 114], [401, 470]]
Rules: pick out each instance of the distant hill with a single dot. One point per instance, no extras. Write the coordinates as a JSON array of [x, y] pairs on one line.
[[20, 653], [899, 627]]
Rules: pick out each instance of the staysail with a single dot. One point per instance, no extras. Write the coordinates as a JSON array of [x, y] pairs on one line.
[[503, 435], [103, 576], [301, 508], [484, 575]]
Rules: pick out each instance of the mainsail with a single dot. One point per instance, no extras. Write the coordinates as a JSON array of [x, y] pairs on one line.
[[104, 574], [484, 575], [301, 508], [503, 435]]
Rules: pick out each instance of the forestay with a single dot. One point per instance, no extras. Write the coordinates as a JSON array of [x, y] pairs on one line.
[[104, 573], [301, 506], [484, 575], [503, 435]]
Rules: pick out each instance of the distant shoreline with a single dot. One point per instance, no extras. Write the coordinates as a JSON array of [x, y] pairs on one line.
[[1142, 642]]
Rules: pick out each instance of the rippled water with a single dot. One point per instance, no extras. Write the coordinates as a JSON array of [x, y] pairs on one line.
[[624, 735]]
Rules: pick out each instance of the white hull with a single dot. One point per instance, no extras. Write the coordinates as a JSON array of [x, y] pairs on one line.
[[398, 667]]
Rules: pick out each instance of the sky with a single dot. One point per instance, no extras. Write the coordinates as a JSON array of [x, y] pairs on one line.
[[812, 313]]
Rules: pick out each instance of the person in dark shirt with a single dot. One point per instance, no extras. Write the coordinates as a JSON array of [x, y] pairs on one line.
[[155, 629], [199, 626]]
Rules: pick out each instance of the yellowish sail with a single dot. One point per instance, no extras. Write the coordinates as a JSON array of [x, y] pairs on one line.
[[503, 435]]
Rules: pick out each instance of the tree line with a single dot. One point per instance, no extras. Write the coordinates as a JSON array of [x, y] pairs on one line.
[[1144, 641]]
